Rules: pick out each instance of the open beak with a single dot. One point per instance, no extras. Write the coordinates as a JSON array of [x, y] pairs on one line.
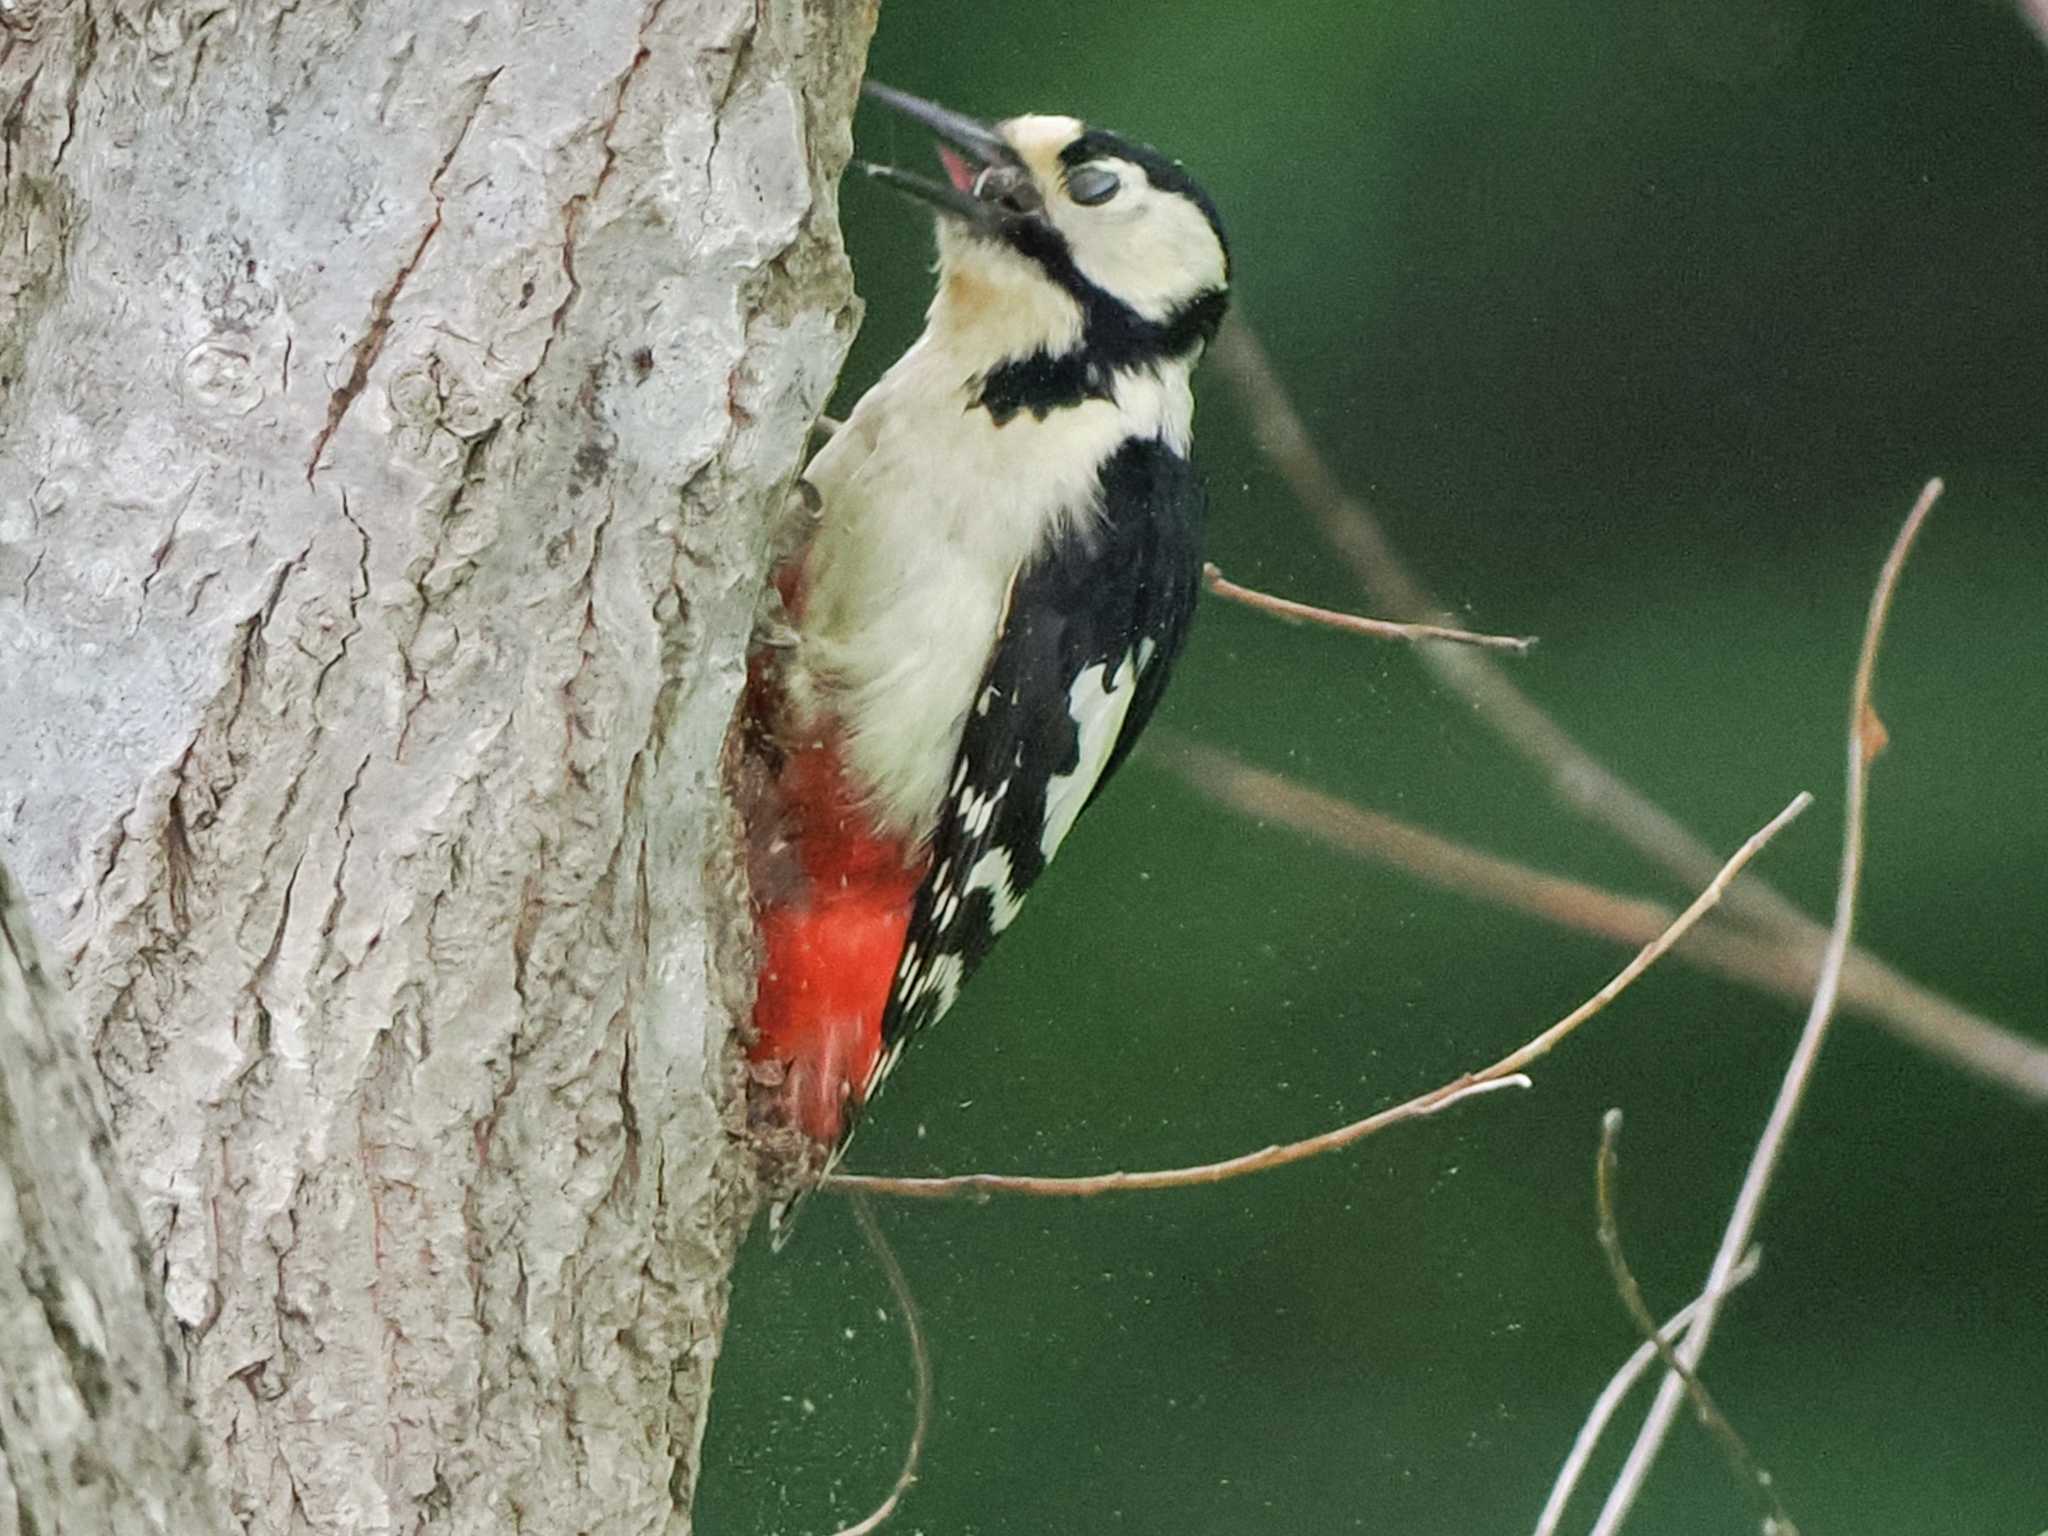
[[986, 184]]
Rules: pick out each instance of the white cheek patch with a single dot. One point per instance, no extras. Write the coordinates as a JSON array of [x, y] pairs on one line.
[[1154, 250], [1098, 702]]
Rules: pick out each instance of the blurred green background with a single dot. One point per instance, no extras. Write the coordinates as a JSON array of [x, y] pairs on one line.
[[1641, 323]]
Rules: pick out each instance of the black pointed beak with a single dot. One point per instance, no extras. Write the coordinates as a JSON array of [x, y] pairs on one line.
[[955, 128], [991, 188]]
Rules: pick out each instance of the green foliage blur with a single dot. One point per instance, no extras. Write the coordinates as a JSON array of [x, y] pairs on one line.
[[1642, 322]]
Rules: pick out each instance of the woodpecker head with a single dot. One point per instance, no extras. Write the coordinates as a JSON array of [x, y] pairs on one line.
[[1068, 241]]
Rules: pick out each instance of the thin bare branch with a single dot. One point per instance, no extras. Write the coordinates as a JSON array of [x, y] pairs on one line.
[[1503, 1073], [1358, 624], [1611, 1396], [1777, 962], [1575, 776], [1749, 1472], [982, 1185], [1865, 739], [921, 1364]]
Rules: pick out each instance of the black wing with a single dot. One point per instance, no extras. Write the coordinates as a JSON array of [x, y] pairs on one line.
[[1092, 631]]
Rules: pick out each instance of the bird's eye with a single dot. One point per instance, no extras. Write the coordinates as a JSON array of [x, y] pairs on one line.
[[1091, 185]]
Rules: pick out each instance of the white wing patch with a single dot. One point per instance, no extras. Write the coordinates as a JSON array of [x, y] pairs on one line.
[[1098, 702], [977, 811], [994, 873]]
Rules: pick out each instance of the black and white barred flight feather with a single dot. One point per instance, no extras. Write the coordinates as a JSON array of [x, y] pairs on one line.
[[1095, 625]]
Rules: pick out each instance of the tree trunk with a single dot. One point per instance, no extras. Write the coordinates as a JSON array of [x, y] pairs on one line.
[[394, 405], [94, 1432]]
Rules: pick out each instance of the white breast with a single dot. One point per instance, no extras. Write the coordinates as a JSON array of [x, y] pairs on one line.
[[929, 510]]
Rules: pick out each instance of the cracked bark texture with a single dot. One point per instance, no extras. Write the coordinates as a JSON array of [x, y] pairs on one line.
[[395, 402], [94, 1431]]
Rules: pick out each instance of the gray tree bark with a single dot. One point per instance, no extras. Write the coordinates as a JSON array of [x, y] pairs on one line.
[[94, 1431], [395, 401]]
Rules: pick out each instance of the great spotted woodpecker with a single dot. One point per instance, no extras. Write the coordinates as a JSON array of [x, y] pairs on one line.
[[1001, 573]]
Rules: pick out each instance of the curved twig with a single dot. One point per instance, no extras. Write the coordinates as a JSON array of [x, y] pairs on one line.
[[1503, 1073], [1610, 1399], [1866, 739], [921, 1364], [1777, 1520]]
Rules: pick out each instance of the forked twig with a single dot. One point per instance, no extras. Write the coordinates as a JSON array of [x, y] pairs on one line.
[[1358, 624], [1580, 779], [1865, 740], [1503, 1073], [1777, 1519], [921, 1362], [1610, 1399], [1575, 776]]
